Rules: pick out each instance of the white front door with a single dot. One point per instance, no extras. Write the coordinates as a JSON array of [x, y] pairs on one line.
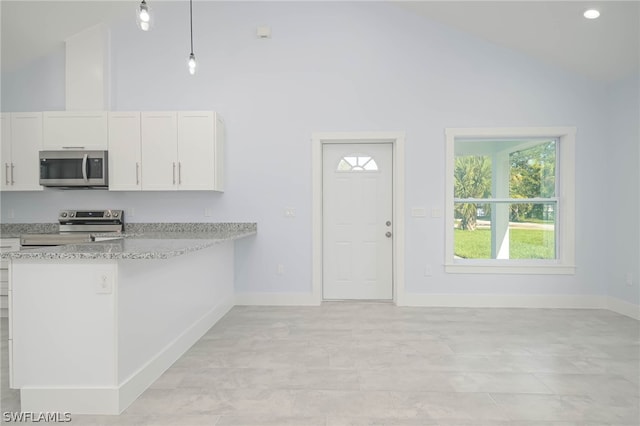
[[357, 224]]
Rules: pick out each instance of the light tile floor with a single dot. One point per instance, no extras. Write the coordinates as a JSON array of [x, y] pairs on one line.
[[355, 364]]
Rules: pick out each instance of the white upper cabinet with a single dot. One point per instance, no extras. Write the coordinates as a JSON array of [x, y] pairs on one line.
[[85, 130], [160, 151], [200, 141], [125, 151], [5, 145], [182, 151], [21, 141]]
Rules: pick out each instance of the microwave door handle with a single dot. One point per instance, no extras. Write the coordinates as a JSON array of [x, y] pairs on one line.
[[85, 157]]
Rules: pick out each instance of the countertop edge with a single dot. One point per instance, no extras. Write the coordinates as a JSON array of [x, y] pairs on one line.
[[146, 254]]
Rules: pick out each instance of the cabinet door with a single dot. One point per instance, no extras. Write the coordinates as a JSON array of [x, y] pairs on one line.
[[196, 150], [5, 143], [6, 245], [125, 151], [75, 130], [159, 151], [26, 141]]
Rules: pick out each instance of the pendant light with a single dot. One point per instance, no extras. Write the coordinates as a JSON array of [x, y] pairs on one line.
[[192, 58], [143, 16]]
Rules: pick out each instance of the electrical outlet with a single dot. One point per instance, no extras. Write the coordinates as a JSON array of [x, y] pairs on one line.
[[280, 269], [131, 212], [12, 214], [207, 212], [289, 212], [104, 284], [629, 279], [427, 271]]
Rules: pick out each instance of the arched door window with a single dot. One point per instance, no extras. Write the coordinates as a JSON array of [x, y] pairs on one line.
[[357, 163]]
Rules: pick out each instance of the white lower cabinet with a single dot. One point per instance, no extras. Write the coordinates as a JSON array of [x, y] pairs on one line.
[[6, 245]]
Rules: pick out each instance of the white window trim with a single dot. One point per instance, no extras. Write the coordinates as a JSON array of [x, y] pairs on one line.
[[565, 262]]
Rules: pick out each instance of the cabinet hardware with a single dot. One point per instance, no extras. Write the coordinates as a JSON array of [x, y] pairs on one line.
[[73, 147], [179, 173], [12, 181], [6, 173], [174, 173], [137, 173]]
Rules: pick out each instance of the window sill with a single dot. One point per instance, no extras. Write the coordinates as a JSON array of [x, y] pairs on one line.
[[505, 268]]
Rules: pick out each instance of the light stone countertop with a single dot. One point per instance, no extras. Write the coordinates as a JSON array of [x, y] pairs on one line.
[[142, 245]]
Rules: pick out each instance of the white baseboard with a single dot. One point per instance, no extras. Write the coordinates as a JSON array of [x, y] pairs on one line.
[[623, 308], [114, 400], [505, 301], [276, 299], [69, 400], [550, 301], [135, 385]]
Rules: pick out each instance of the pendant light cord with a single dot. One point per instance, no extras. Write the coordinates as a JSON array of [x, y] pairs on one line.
[[191, 23]]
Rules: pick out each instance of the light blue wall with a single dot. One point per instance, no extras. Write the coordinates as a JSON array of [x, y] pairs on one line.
[[38, 87], [338, 67], [622, 212]]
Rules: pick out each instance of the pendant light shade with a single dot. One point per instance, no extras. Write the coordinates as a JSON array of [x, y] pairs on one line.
[[143, 16], [192, 58]]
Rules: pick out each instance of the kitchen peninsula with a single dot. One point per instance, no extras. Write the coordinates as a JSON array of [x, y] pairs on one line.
[[92, 325]]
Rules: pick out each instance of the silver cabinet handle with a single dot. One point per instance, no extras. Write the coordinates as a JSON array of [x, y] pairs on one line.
[[12, 181], [179, 173], [174, 173], [73, 147], [137, 173], [6, 173]]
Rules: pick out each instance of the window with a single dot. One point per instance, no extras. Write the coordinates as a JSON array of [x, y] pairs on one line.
[[357, 163], [510, 206]]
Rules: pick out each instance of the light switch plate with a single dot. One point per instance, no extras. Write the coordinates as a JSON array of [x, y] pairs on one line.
[[418, 212]]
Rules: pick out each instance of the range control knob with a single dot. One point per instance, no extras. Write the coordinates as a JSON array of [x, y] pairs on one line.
[[115, 214], [107, 214], [72, 214], [63, 214]]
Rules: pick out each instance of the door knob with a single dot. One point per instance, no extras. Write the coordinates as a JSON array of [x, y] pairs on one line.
[[388, 234]]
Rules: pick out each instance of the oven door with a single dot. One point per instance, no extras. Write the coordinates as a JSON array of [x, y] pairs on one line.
[[73, 168]]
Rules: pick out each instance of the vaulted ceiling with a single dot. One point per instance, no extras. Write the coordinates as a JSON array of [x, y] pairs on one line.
[[555, 32]]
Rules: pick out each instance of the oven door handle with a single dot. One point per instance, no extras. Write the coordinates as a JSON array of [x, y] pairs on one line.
[[85, 157]]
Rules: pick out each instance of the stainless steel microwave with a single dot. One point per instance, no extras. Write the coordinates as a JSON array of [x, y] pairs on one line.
[[69, 169]]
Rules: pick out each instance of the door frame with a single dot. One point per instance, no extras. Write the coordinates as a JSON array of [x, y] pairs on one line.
[[396, 139]]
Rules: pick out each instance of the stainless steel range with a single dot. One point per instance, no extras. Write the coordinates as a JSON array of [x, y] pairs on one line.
[[80, 226]]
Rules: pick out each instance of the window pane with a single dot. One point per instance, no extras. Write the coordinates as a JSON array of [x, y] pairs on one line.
[[357, 163], [533, 171], [476, 238], [472, 176]]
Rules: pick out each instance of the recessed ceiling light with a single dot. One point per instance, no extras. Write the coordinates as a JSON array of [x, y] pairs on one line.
[[591, 14]]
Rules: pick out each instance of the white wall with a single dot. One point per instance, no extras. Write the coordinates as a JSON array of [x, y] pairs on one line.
[[622, 209], [339, 67]]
